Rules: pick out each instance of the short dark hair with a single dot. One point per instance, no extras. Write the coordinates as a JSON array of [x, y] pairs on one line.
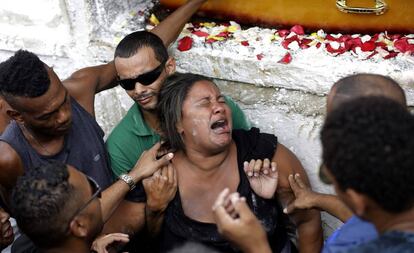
[[40, 203], [23, 75], [170, 103], [361, 85], [133, 42], [368, 146]]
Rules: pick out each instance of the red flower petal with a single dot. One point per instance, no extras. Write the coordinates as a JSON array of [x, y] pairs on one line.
[[286, 42], [283, 33], [371, 55], [332, 50], [210, 41], [260, 57], [200, 33], [305, 43], [353, 43], [185, 44], [245, 43], [223, 34], [298, 30], [401, 45], [368, 46], [330, 37], [391, 55], [286, 59]]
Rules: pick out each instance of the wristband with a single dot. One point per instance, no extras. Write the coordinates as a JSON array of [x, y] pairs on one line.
[[128, 180]]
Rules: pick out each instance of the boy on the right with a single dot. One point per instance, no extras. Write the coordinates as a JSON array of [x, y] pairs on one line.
[[368, 153]]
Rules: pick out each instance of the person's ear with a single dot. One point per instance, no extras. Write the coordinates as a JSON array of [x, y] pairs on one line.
[[359, 202], [15, 115], [179, 127], [78, 227], [170, 66]]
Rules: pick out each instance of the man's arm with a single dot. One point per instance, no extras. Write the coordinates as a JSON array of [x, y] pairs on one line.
[[308, 222], [85, 83], [145, 167], [305, 198], [11, 167], [169, 29]]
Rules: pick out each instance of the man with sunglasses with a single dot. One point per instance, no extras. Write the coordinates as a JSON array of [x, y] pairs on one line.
[[54, 119], [58, 208], [142, 63]]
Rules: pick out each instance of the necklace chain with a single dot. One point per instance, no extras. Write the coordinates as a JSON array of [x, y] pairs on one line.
[[34, 138]]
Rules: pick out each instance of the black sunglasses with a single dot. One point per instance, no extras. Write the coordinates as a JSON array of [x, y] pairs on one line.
[[144, 79], [96, 193]]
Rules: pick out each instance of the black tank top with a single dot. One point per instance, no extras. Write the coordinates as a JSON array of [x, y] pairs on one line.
[[178, 229], [83, 147]]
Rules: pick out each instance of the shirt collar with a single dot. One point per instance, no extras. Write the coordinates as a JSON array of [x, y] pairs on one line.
[[141, 127]]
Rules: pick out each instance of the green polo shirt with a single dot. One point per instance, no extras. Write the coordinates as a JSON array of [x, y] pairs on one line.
[[132, 136]]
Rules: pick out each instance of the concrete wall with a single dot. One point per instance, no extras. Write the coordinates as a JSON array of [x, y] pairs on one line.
[[287, 100]]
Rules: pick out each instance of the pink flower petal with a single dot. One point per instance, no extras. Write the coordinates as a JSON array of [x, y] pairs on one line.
[[286, 59], [200, 33], [260, 57], [298, 29], [245, 43]]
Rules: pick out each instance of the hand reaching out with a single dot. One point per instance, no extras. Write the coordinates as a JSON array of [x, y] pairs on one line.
[[104, 243], [263, 177], [148, 163], [161, 188], [6, 230], [304, 196], [238, 223]]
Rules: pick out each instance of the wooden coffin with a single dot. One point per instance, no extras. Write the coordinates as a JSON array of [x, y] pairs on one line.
[[331, 15]]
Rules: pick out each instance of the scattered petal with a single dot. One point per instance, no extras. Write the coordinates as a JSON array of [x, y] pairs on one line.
[[245, 43], [260, 56], [298, 29], [286, 59], [154, 20], [368, 46], [200, 33], [185, 44], [283, 33]]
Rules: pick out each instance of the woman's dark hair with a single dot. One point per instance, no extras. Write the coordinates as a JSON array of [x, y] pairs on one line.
[[368, 146], [171, 99]]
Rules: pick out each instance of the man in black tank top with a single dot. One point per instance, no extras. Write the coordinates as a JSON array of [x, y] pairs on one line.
[[55, 120]]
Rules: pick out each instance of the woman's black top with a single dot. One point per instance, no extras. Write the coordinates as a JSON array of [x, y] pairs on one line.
[[178, 229]]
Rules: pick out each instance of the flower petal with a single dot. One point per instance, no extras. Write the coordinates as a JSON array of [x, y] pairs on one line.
[[286, 59], [185, 44]]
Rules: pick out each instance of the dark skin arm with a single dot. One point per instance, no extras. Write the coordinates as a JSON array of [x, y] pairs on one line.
[[85, 83], [11, 167], [308, 222], [128, 218]]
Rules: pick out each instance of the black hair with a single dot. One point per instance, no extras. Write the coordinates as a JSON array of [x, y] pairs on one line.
[[368, 146], [133, 42], [170, 103], [40, 202], [361, 85], [23, 75]]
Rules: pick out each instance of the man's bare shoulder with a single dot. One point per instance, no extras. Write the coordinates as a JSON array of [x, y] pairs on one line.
[[11, 165]]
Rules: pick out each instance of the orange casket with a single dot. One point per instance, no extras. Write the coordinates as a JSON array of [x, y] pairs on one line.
[[331, 15]]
